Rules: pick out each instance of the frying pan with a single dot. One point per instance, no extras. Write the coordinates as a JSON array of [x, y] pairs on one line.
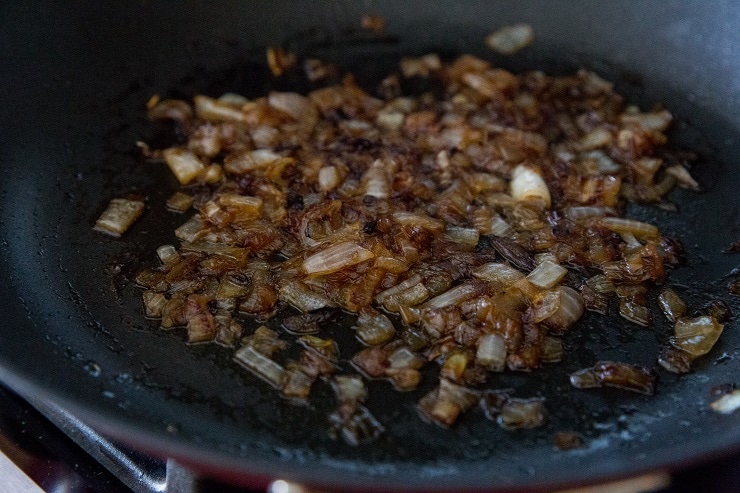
[[75, 77]]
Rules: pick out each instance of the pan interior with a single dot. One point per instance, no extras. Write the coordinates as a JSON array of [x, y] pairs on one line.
[[74, 310]]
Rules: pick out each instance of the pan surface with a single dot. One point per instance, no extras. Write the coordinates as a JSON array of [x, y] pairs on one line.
[[75, 80]]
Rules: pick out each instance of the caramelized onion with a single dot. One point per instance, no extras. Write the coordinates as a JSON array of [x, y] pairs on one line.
[[444, 223]]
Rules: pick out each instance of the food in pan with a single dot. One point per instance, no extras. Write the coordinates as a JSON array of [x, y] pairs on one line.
[[466, 228]]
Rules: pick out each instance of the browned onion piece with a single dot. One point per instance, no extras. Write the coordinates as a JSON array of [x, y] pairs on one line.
[[696, 336], [522, 413], [673, 307], [618, 375], [119, 216]]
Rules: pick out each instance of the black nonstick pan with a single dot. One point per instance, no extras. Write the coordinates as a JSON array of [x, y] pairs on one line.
[[74, 80]]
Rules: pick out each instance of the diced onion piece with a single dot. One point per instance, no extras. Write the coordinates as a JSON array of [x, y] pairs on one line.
[[217, 110], [728, 403], [403, 357], [672, 305], [444, 404], [185, 165], [328, 178], [421, 66], [392, 264], [297, 385], [119, 216], [376, 181], [153, 304], [466, 236], [244, 206], [547, 305], [527, 184], [261, 366], [585, 212], [674, 360], [336, 257], [407, 298], [491, 352], [601, 284], [374, 328], [179, 202], [501, 275], [252, 160], [300, 296], [168, 254], [402, 286], [290, 102], [696, 336], [547, 274], [522, 413], [637, 228], [569, 312], [599, 137], [454, 366], [634, 312], [500, 227], [618, 375], [349, 388], [683, 177], [390, 120], [456, 295], [510, 39], [552, 350], [648, 121], [411, 219]]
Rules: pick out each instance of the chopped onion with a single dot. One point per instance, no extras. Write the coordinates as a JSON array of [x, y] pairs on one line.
[[300, 296], [153, 304], [649, 121], [426, 222], [522, 413], [636, 313], [491, 352], [403, 357], [349, 388], [328, 178], [547, 275], [696, 336], [251, 160], [500, 275], [527, 184], [510, 39], [119, 216], [444, 404], [569, 311], [336, 257], [337, 201], [466, 236], [618, 375], [217, 110], [552, 350], [728, 403], [637, 228], [455, 295], [261, 366], [290, 102], [180, 202], [374, 328], [671, 304], [409, 297], [684, 178]]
